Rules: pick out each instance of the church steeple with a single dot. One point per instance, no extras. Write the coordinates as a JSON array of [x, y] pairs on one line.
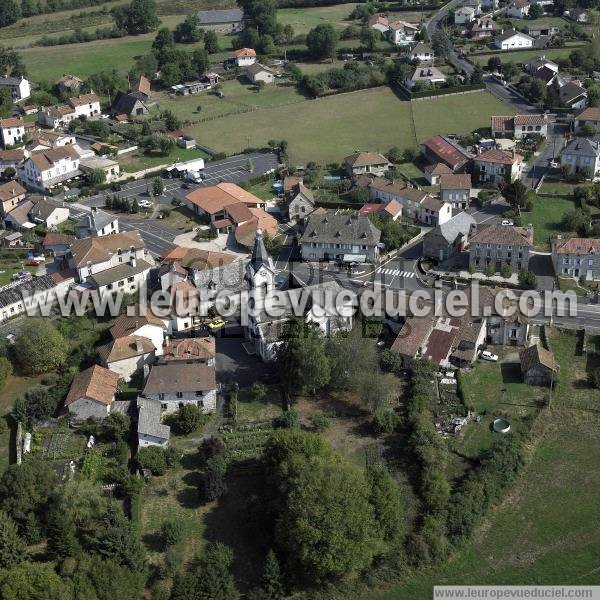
[[260, 255]]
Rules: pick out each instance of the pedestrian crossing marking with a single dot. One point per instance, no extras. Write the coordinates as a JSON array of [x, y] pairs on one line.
[[396, 273]]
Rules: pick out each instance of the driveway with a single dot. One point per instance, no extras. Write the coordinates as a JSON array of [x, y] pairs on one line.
[[541, 266], [233, 363]]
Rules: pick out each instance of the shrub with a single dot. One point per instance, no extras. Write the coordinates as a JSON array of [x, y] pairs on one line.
[[385, 421], [154, 459], [320, 422], [390, 361], [172, 532]]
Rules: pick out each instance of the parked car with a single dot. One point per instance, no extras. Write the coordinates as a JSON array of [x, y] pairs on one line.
[[507, 222], [216, 324], [486, 355], [32, 262], [145, 204]]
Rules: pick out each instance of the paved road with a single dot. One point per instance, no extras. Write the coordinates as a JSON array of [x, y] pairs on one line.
[[232, 170], [550, 151]]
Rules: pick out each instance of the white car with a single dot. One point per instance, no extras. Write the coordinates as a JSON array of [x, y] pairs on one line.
[[507, 222], [145, 204], [486, 355]]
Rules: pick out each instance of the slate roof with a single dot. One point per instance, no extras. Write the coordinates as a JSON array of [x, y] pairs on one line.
[[95, 220], [149, 415], [100, 249], [571, 91], [458, 225], [537, 355], [15, 292], [257, 68], [503, 235], [583, 147], [42, 209], [214, 17], [422, 48], [341, 229], [180, 377], [122, 271], [124, 104], [96, 383]]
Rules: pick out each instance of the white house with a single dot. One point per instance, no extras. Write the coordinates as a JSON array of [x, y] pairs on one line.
[[379, 23], [513, 39], [257, 72], [90, 256], [421, 52], [143, 324], [19, 87], [92, 393], [126, 277], [435, 212], [402, 33], [47, 214], [519, 9], [48, 168], [12, 131], [96, 223], [87, 105], [244, 57], [428, 75], [56, 116], [178, 383], [497, 166]]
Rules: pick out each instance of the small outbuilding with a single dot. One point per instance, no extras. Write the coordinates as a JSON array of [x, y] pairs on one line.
[[538, 365]]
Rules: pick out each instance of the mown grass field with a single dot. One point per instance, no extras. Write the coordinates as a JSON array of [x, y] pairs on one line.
[[546, 219], [521, 56], [542, 532], [327, 129]]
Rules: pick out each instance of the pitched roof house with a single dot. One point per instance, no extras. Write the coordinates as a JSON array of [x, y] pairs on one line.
[[497, 245], [537, 365], [581, 154], [442, 149], [497, 166], [576, 257], [514, 39], [449, 238], [11, 193], [96, 223], [360, 163], [573, 95], [92, 393]]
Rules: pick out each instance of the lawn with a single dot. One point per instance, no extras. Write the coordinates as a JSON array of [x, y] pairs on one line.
[[557, 187], [546, 219], [8, 267], [541, 533], [237, 96], [327, 129], [138, 161], [522, 56], [456, 114], [305, 19]]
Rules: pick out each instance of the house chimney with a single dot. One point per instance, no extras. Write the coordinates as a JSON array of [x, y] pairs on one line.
[[94, 209], [138, 345], [133, 262]]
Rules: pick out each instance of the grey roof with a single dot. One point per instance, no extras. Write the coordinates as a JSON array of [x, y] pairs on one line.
[[149, 413], [119, 272], [180, 377], [583, 147], [260, 256], [124, 104], [458, 225], [422, 48], [213, 17], [10, 80], [15, 292], [341, 229], [42, 209], [95, 220]]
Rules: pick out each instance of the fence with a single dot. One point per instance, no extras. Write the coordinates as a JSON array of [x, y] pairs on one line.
[[435, 93]]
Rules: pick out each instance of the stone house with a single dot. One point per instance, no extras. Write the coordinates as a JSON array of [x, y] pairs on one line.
[[19, 87], [538, 365], [581, 153], [435, 171], [576, 257], [257, 72], [150, 430], [455, 188], [96, 223], [92, 393], [178, 383], [331, 236], [11, 193], [126, 355], [230, 20], [590, 117], [301, 203], [85, 105], [496, 245], [139, 325], [449, 238], [498, 166], [362, 163]]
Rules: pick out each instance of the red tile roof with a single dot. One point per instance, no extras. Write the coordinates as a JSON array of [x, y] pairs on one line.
[[501, 157], [579, 246], [96, 383]]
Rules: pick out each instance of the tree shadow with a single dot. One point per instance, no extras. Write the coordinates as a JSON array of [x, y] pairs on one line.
[[153, 542], [511, 372]]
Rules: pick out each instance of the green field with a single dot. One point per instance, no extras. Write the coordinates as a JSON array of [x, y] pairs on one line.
[[541, 533], [546, 217], [305, 19], [522, 56], [138, 161], [327, 129]]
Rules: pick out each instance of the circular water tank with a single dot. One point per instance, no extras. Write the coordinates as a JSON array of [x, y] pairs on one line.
[[501, 425]]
